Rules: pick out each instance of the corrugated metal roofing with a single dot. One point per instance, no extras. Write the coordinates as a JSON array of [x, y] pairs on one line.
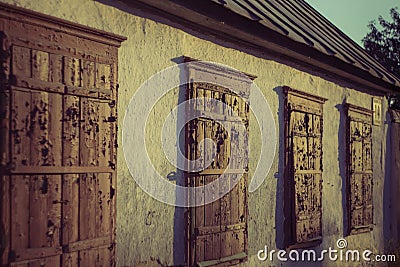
[[300, 22]]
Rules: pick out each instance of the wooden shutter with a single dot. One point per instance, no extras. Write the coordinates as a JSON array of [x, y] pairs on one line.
[[359, 174], [303, 177], [217, 231], [58, 136]]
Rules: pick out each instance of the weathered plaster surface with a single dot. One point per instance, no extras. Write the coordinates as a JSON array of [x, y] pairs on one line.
[[145, 227]]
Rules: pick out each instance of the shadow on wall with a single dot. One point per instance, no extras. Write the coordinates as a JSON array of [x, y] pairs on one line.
[[279, 207], [342, 159], [179, 246], [391, 190]]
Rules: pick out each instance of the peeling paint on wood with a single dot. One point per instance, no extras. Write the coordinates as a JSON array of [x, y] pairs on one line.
[[304, 167], [60, 100], [219, 228], [359, 174]]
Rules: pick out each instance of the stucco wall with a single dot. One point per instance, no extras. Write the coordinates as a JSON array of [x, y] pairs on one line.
[[145, 227]]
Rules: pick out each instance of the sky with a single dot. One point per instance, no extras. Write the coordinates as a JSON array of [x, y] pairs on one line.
[[353, 16]]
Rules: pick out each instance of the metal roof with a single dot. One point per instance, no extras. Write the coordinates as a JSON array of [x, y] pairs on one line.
[[290, 30], [300, 22]]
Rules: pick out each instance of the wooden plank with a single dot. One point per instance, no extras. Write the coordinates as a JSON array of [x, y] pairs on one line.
[[242, 198], [4, 128], [208, 104], [55, 118], [220, 157], [88, 74], [103, 76], [5, 214], [212, 210], [48, 261], [103, 214], [234, 180], [55, 68], [199, 210], [199, 220], [227, 145], [103, 259], [54, 214], [234, 144], [218, 172], [37, 85], [20, 127], [238, 241], [87, 244], [228, 261], [80, 91], [5, 203], [113, 152], [36, 253], [89, 132], [71, 119], [216, 217], [19, 264], [70, 259], [70, 183], [209, 247], [45, 215], [70, 216], [20, 216], [72, 71], [20, 139], [45, 211], [38, 210], [55, 129], [39, 129], [209, 151], [70, 213], [88, 186], [60, 170], [21, 61], [199, 248], [40, 65], [87, 257], [206, 230], [104, 137], [225, 203], [87, 211]]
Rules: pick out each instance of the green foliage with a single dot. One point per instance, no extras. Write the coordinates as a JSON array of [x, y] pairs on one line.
[[383, 41]]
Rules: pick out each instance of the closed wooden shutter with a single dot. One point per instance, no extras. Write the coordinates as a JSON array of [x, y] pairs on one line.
[[218, 230], [58, 153], [360, 174], [303, 179]]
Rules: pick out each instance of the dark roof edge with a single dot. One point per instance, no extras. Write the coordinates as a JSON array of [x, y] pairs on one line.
[[232, 27]]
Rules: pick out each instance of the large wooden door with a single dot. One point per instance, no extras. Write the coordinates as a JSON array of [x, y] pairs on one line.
[[58, 136], [218, 230]]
